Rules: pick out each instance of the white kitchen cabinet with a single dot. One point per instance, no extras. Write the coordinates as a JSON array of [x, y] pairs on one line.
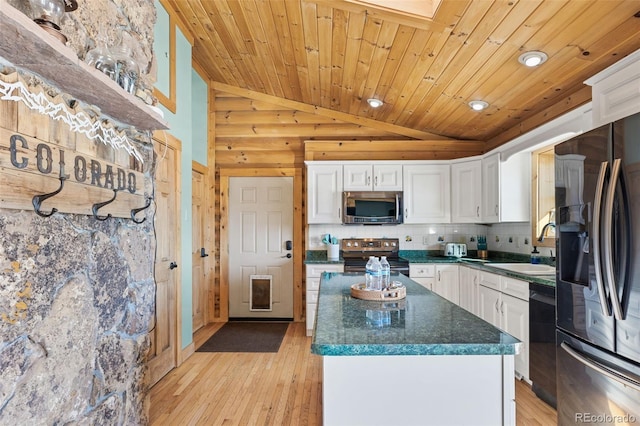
[[466, 191], [427, 193], [515, 321], [324, 193], [441, 279], [469, 288], [490, 211], [447, 282], [615, 90], [506, 188], [507, 307], [489, 305], [314, 272], [372, 177], [423, 274]]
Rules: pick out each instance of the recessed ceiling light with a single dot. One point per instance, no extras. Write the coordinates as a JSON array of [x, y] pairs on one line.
[[533, 58], [478, 105], [375, 103]]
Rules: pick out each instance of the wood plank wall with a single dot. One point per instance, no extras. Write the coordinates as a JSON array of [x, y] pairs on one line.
[[257, 132]]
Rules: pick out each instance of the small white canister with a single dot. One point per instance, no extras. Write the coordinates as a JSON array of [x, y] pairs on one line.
[[333, 251]]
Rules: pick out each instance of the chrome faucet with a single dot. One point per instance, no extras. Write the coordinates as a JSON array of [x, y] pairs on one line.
[[544, 231]]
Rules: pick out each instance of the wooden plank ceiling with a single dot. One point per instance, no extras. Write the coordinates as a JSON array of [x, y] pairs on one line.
[[324, 58]]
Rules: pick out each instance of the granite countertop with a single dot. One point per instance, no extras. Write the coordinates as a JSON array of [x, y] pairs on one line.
[[423, 256], [421, 324]]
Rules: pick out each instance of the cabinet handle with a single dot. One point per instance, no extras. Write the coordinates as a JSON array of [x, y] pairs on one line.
[[406, 213], [376, 182], [339, 216], [497, 310], [478, 211], [502, 307], [368, 180], [439, 276], [496, 210]]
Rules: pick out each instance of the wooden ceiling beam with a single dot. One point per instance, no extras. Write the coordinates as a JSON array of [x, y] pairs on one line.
[[348, 118]]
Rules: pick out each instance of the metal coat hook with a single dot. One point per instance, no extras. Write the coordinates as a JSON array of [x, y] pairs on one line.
[[38, 199], [98, 206], [138, 210]]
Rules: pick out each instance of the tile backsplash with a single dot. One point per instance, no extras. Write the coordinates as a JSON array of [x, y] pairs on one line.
[[507, 237]]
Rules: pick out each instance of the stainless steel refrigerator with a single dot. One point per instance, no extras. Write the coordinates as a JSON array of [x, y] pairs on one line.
[[598, 275]]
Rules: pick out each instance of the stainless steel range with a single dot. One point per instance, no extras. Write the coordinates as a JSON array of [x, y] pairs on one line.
[[356, 252]]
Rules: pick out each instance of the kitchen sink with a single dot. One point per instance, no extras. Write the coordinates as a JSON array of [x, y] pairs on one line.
[[526, 268]]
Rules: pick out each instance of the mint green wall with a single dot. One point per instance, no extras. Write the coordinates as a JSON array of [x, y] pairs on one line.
[[161, 50], [188, 124], [199, 118]]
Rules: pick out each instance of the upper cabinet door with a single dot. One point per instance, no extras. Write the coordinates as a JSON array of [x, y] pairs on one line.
[[324, 194], [387, 177], [466, 181], [427, 193], [377, 177], [506, 188], [358, 177], [490, 210]]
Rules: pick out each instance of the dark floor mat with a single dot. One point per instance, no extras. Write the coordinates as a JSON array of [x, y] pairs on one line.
[[246, 337]]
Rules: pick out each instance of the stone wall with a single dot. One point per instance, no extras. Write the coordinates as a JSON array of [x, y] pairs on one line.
[[77, 294]]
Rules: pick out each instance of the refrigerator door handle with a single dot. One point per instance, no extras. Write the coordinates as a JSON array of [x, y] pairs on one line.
[[608, 240], [597, 207], [612, 374]]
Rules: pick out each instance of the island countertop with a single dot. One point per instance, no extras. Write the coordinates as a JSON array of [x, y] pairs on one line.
[[421, 324]]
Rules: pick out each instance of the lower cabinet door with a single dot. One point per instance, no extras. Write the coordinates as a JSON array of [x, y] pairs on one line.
[[515, 321], [489, 305]]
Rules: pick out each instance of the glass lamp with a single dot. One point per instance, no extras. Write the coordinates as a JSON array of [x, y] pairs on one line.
[[48, 14]]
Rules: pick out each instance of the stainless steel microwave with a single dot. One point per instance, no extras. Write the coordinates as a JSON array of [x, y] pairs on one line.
[[372, 208]]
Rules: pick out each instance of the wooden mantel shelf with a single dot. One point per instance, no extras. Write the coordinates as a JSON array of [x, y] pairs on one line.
[[24, 44]]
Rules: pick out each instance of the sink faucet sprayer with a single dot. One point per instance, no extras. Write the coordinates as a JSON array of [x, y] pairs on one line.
[[544, 231]]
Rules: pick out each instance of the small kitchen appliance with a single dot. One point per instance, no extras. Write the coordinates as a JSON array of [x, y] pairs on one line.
[[372, 208], [454, 250]]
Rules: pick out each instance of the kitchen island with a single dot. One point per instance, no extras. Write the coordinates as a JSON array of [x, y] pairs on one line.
[[416, 361]]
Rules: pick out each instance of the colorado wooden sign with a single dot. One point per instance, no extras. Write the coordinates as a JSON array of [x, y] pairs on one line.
[[30, 167]]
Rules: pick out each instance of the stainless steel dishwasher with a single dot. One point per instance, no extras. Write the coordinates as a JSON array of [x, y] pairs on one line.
[[542, 341]]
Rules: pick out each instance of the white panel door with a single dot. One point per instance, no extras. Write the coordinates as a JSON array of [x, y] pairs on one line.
[[357, 177], [427, 193], [324, 193], [387, 177], [260, 224], [466, 184], [489, 305], [515, 321]]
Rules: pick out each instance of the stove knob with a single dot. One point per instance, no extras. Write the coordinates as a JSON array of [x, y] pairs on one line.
[[386, 244], [348, 243], [355, 244]]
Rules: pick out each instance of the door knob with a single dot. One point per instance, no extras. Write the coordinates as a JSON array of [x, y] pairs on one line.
[[288, 255], [203, 253], [173, 265]]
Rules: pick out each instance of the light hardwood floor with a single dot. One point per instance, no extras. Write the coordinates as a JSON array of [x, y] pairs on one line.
[[283, 388]]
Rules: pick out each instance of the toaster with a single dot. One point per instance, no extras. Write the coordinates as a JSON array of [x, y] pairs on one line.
[[454, 249]]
